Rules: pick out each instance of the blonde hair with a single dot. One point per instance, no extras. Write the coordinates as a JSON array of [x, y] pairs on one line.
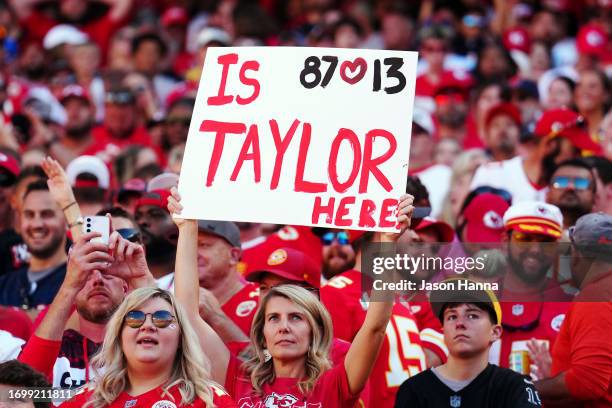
[[317, 358], [190, 368]]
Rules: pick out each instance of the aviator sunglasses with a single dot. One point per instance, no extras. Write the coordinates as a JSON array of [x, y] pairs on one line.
[[340, 236], [580, 183], [160, 318]]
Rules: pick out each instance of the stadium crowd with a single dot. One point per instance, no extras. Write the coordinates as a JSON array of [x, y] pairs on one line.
[[510, 159]]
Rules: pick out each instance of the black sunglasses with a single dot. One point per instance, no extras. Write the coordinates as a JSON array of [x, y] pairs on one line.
[[130, 234], [160, 318]]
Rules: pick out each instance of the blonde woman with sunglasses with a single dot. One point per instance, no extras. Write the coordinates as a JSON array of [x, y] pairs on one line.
[[290, 339], [151, 357]]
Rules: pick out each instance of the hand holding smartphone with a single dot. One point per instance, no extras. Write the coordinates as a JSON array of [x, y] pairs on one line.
[[99, 224]]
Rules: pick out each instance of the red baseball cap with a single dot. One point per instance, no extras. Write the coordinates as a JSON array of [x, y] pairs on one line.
[[10, 164], [517, 39], [504, 109], [568, 124], [445, 231], [592, 40], [174, 16], [287, 263], [157, 198], [484, 218], [74, 91]]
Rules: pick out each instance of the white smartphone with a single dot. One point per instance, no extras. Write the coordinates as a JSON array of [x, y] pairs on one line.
[[100, 224]]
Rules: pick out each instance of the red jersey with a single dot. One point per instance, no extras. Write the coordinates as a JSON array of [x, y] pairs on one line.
[[426, 87], [107, 147], [583, 349], [402, 354], [523, 322], [331, 390], [156, 398], [242, 306]]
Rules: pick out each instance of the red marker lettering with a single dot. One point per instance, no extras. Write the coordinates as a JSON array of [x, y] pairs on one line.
[[332, 168], [302, 185], [249, 66], [249, 151], [221, 129], [221, 98], [370, 165], [281, 145]]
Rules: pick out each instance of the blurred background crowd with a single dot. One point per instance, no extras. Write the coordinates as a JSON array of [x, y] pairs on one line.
[[511, 139]]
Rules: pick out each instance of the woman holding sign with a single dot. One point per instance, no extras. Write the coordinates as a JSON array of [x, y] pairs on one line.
[[288, 360]]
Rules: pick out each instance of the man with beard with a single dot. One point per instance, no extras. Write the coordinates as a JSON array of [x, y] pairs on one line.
[[559, 135], [533, 305], [159, 235], [43, 229], [572, 188], [502, 131], [80, 118], [338, 253], [94, 285]]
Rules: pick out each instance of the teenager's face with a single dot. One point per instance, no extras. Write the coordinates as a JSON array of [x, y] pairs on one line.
[[468, 330], [286, 330]]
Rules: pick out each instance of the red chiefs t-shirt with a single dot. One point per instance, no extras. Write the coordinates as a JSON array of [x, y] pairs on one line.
[[242, 306], [522, 322], [331, 391], [402, 354], [156, 398]]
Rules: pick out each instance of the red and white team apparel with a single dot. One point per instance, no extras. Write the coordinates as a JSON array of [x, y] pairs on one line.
[[509, 175], [156, 398], [331, 390], [522, 322], [242, 306], [402, 354]]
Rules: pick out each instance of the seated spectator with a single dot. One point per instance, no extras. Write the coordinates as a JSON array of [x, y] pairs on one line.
[[472, 323], [14, 375]]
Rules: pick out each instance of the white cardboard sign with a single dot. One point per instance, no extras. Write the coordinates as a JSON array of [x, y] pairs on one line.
[[303, 136]]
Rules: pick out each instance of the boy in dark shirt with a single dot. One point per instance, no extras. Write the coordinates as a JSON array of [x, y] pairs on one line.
[[472, 322]]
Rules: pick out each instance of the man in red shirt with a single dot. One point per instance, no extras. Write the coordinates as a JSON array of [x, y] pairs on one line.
[[120, 128], [533, 305], [218, 257], [405, 352], [582, 357]]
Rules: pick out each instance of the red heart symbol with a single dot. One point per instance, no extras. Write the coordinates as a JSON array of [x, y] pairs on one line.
[[356, 68]]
